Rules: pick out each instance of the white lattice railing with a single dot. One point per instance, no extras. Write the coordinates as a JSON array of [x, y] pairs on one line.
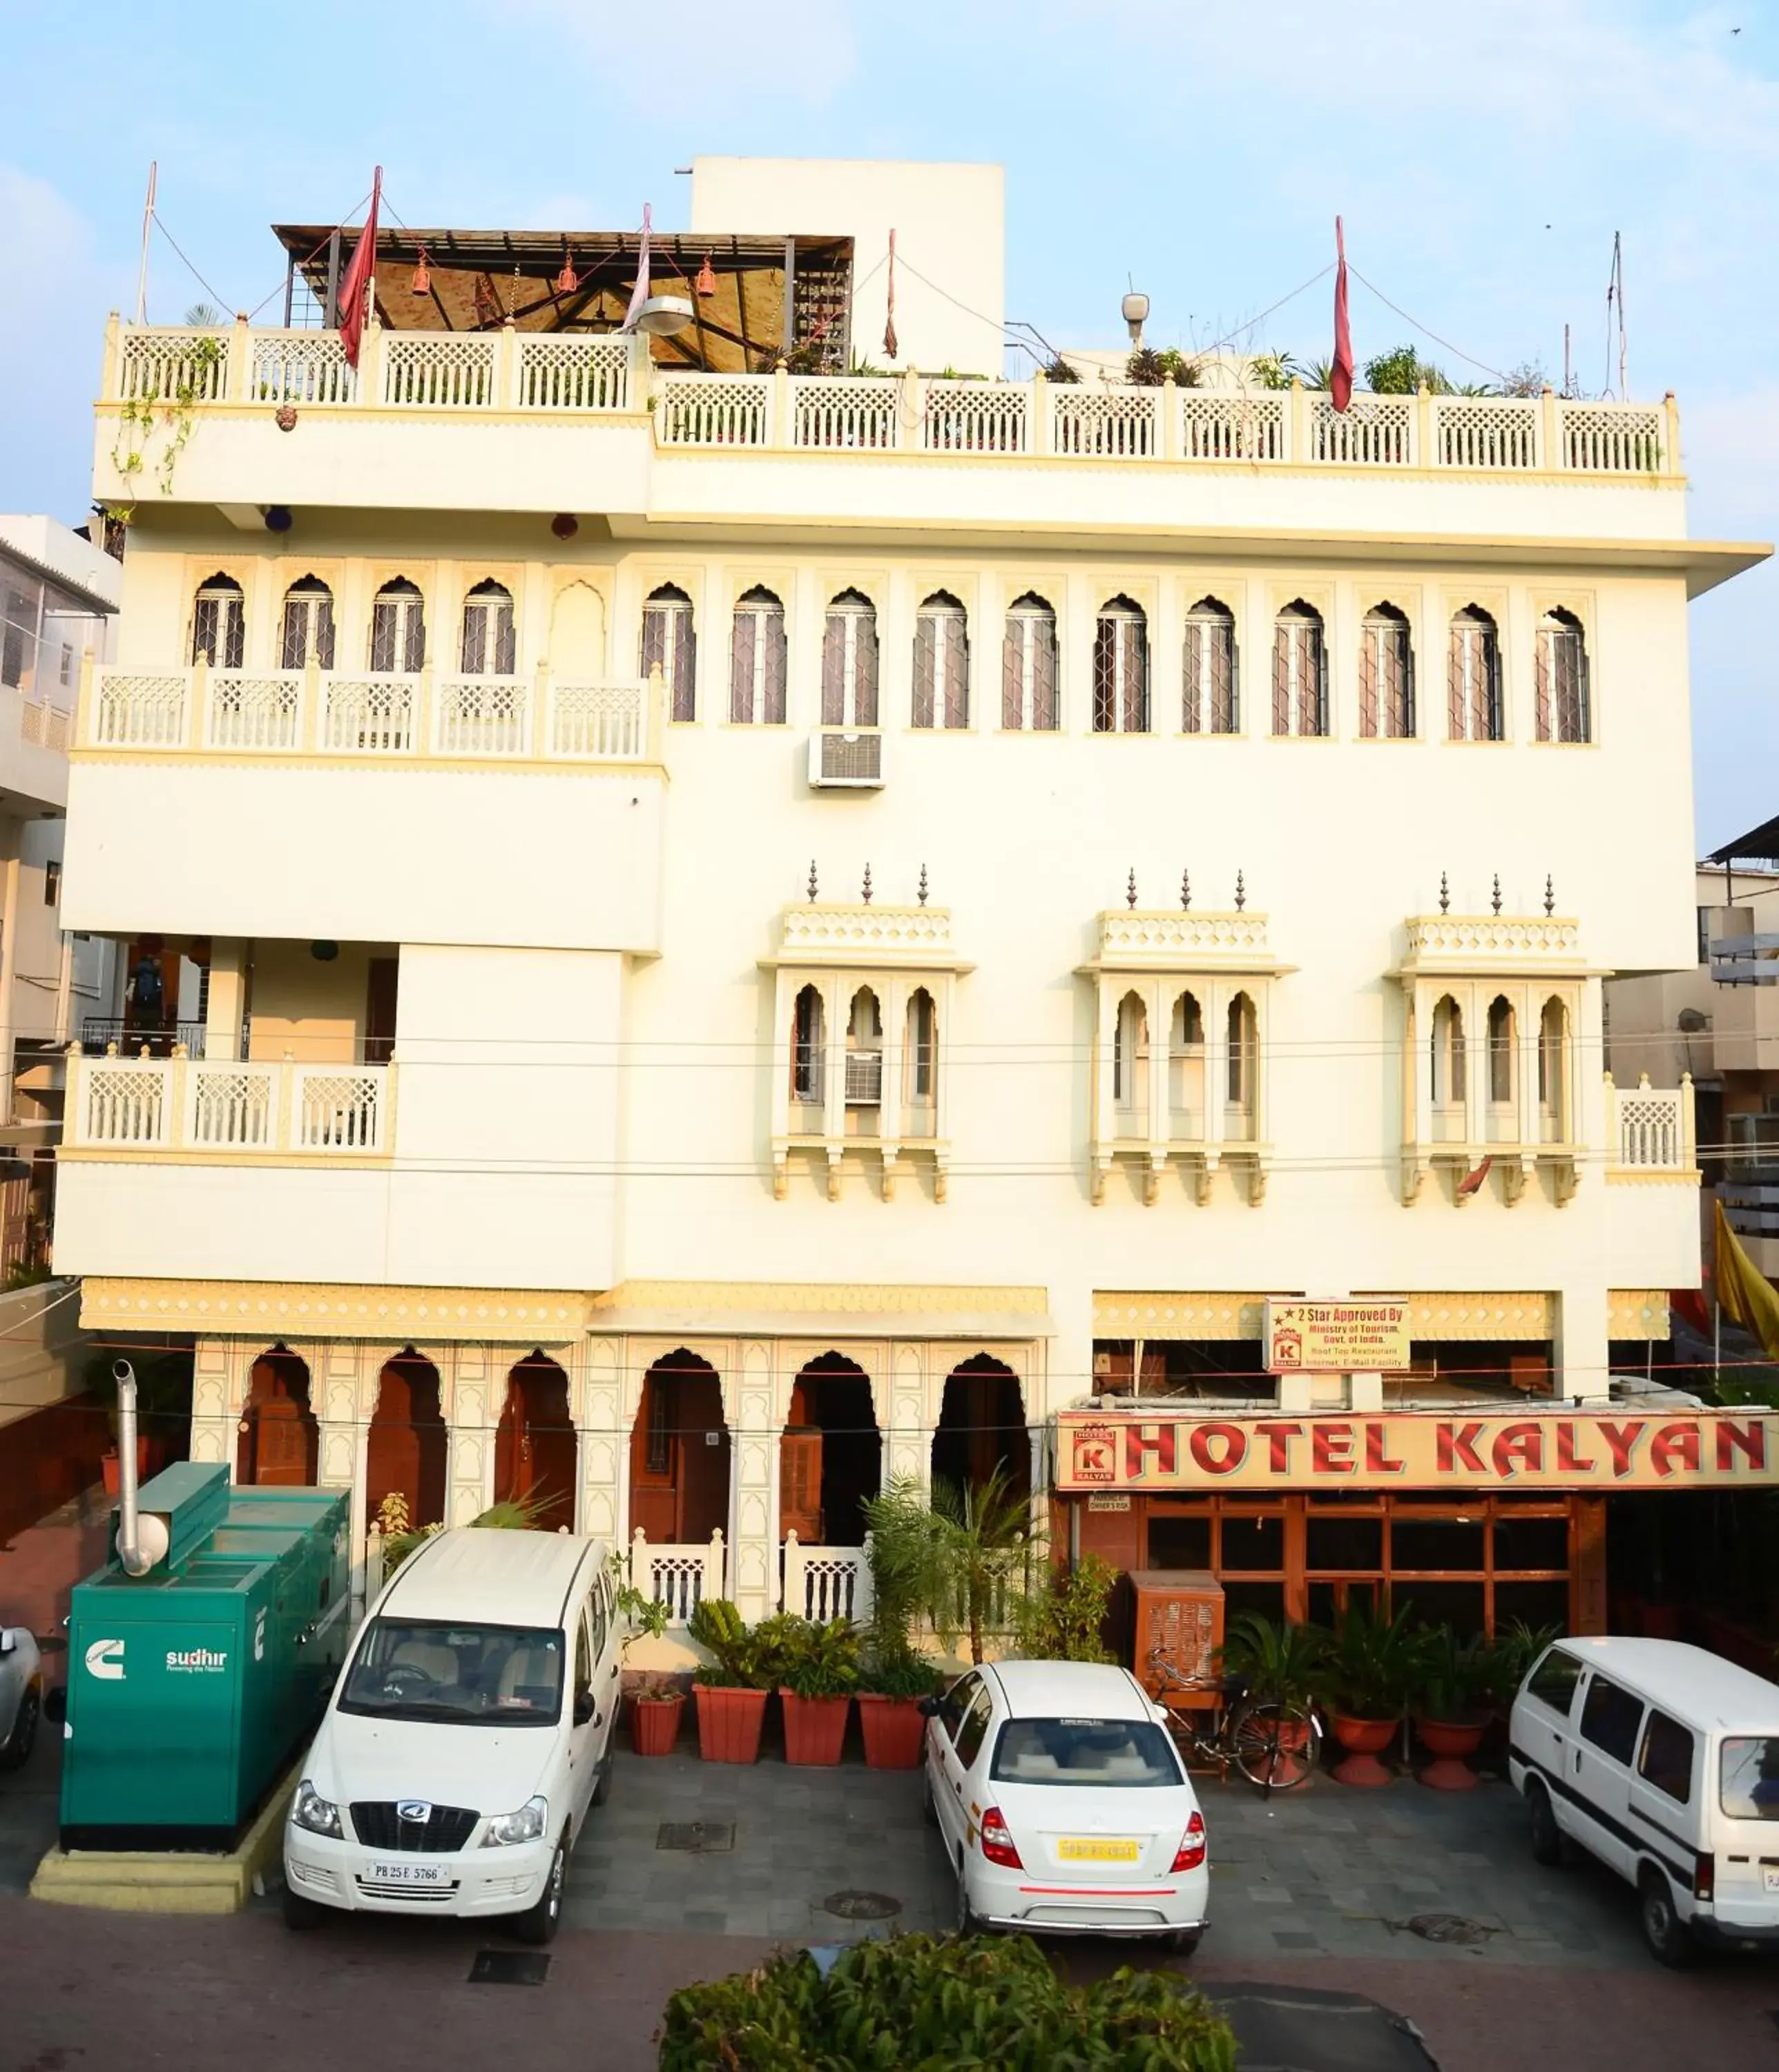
[[45, 725], [573, 374], [438, 371], [175, 366], [305, 366], [369, 715], [141, 708], [824, 1583], [713, 409], [1485, 432], [679, 1577], [247, 710], [1217, 427], [1374, 431], [1650, 1129], [483, 716], [1611, 438], [845, 413], [244, 1106], [1105, 424], [977, 416], [597, 722]]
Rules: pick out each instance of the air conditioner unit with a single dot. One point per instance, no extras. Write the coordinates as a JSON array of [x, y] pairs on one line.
[[841, 758]]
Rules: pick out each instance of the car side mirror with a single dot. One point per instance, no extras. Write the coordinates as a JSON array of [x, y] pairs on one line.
[[584, 1707], [55, 1705], [9, 1640], [929, 1708]]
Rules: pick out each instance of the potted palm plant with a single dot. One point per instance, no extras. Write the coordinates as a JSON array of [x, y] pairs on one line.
[[893, 1675], [1450, 1718], [1279, 1663], [818, 1674], [1363, 1683], [892, 1683], [962, 1561], [731, 1691]]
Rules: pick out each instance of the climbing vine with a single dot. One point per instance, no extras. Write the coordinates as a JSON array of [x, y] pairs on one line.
[[143, 416]]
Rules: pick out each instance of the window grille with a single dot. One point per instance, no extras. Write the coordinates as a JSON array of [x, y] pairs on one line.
[[218, 625], [849, 662], [489, 646], [808, 1047], [1386, 676], [1028, 666], [1300, 673], [670, 645], [942, 663], [1208, 703], [398, 630], [1121, 670], [1473, 678], [307, 632], [757, 665], [1564, 712], [1501, 1043]]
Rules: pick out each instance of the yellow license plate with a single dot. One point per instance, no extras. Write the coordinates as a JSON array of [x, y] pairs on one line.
[[1089, 1849]]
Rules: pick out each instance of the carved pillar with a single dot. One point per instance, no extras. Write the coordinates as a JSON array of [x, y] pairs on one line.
[[475, 1412], [754, 1424], [604, 1433], [907, 1445], [217, 1389]]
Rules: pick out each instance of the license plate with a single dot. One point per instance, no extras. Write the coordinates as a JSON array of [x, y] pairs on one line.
[[1770, 1879], [407, 1873], [1091, 1849]]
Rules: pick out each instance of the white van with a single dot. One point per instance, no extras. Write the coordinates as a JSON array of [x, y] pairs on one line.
[[468, 1734], [1663, 1761]]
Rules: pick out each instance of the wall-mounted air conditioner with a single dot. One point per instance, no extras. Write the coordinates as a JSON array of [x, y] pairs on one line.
[[846, 758]]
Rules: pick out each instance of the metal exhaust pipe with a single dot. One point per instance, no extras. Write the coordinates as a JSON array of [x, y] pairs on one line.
[[135, 1558]]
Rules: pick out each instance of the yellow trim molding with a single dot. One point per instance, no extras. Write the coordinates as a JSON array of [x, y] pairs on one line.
[[1638, 1313], [333, 1310], [1480, 1313], [816, 1299]]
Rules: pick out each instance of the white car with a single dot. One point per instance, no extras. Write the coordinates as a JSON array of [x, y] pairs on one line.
[[21, 1696], [1064, 1805], [468, 1735]]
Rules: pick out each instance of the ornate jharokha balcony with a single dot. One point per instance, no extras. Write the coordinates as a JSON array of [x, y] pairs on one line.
[[182, 1106]]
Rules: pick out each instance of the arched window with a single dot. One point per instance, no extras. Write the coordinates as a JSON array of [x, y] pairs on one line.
[[849, 662], [1300, 671], [1553, 1091], [1473, 678], [865, 1051], [1028, 667], [398, 630], [1121, 669], [1209, 701], [1131, 1067], [670, 645], [920, 1064], [1387, 675], [1186, 1068], [942, 663], [1503, 1040], [219, 623], [1447, 1054], [809, 1048], [1243, 1064], [1564, 703], [757, 661], [489, 649], [305, 634]]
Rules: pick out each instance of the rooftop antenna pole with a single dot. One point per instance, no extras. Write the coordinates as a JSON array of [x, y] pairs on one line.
[[1624, 342], [142, 271], [1568, 377]]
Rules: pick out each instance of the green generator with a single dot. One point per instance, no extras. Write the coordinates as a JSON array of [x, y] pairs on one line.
[[192, 1687]]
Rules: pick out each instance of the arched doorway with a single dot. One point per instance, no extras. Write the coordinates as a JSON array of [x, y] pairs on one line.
[[535, 1448], [831, 1458], [679, 1453], [280, 1441], [982, 1427], [405, 1447]]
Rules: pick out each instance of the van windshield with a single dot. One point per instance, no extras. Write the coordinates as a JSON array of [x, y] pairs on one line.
[[1750, 1786], [462, 1675]]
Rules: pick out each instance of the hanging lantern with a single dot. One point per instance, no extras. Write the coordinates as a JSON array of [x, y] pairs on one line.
[[422, 283], [706, 282], [567, 280]]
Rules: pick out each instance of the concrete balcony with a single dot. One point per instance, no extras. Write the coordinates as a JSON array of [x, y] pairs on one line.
[[182, 1106]]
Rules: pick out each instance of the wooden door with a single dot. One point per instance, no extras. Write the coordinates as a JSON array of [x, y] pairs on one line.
[[800, 1486], [654, 1463], [535, 1453], [380, 1011]]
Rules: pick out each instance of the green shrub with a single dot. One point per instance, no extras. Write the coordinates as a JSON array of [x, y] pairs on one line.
[[918, 2000], [1063, 1619]]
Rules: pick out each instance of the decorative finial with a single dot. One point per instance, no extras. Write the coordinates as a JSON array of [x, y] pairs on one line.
[[1550, 895], [1185, 891], [868, 885], [923, 885], [1241, 892], [1445, 894], [811, 881], [1494, 897], [1130, 888]]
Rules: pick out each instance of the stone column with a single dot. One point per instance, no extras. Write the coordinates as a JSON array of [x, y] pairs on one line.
[[218, 1384], [1581, 1359], [604, 1436], [227, 998], [755, 1418], [907, 1445], [472, 1417]]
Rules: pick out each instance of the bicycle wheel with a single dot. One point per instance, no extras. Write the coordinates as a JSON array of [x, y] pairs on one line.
[[1276, 1746]]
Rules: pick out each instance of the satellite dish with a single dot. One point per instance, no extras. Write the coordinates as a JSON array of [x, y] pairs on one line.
[[663, 315]]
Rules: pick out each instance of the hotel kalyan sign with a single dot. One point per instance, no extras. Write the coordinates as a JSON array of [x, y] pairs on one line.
[[1415, 1450]]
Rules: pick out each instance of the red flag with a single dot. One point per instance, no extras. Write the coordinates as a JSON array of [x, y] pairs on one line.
[[1340, 376], [889, 320], [358, 290], [1471, 1181]]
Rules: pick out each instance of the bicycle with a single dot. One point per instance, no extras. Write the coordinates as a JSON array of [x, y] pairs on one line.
[[1275, 1747]]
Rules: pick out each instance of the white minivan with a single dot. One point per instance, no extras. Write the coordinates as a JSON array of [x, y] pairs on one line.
[[469, 1733], [1663, 1761]]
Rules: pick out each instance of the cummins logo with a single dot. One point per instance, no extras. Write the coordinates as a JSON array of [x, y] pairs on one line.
[[105, 1660], [259, 1638], [205, 1660]]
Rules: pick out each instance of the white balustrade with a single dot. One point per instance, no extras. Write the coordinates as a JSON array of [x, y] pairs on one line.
[[45, 725], [1652, 1128], [713, 409], [977, 416], [179, 366], [1485, 432], [846, 412], [680, 1577], [338, 1107], [438, 371], [122, 1101], [247, 710], [597, 722], [1105, 424], [231, 1107], [242, 1106], [1611, 438], [369, 715], [573, 374], [1372, 431], [1216, 425], [479, 715], [824, 1583], [306, 367], [132, 709]]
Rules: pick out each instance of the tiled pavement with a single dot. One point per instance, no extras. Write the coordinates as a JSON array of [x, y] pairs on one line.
[[1323, 1872]]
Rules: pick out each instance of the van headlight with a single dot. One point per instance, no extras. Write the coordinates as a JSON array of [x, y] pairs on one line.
[[526, 1825], [320, 1815]]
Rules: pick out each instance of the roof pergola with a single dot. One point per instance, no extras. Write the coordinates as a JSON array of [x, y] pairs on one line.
[[1759, 845], [478, 280]]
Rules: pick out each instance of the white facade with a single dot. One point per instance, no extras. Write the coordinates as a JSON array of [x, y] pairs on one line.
[[694, 1053]]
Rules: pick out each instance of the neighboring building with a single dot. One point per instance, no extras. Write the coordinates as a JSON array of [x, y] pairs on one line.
[[757, 931], [58, 598]]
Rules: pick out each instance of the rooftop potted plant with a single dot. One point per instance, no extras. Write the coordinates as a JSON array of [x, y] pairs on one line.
[[731, 1691], [655, 1698], [1363, 1682], [819, 1671], [1450, 1716]]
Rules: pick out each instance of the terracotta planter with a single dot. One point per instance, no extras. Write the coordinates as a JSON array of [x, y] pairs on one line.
[[112, 1468], [814, 1729], [728, 1723], [654, 1724], [1449, 1742], [894, 1730], [1364, 1742]]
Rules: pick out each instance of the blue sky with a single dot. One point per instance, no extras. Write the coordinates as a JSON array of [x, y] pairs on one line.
[[1482, 157]]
